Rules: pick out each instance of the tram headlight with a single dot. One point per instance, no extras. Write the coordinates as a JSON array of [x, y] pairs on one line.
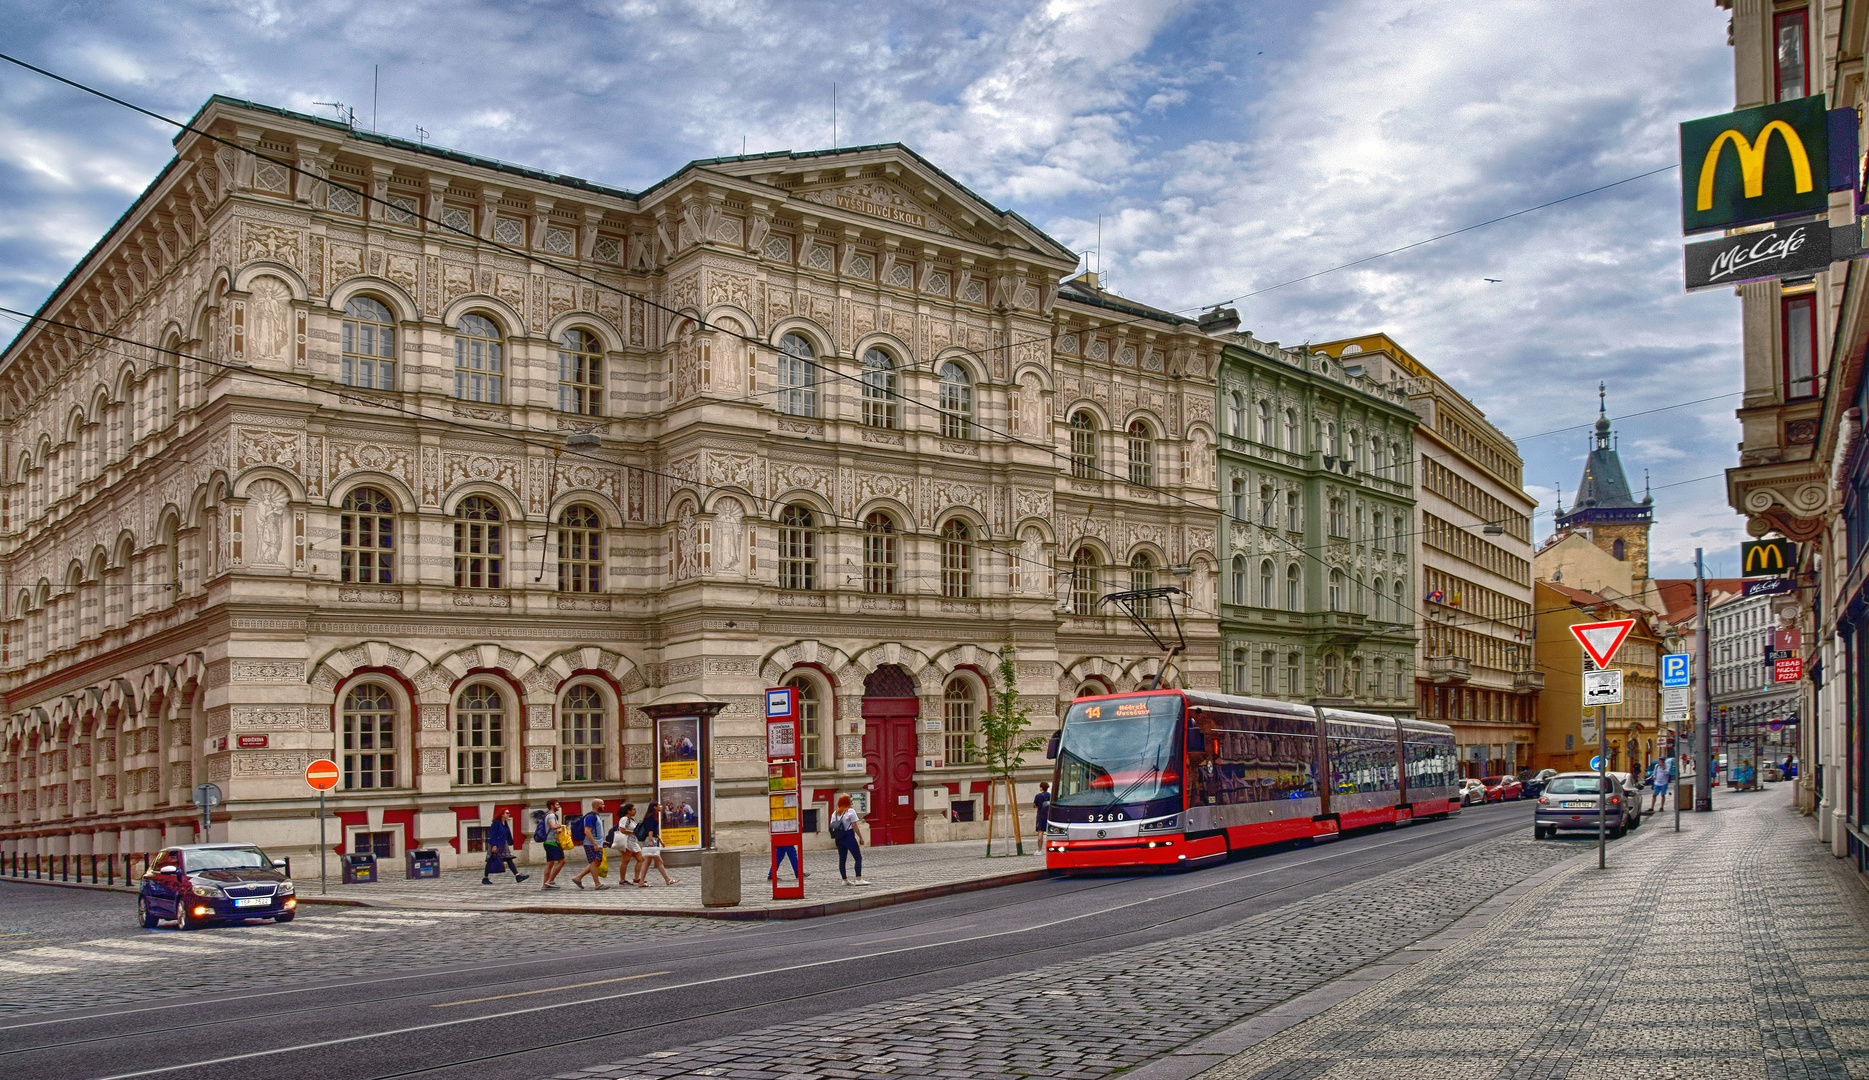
[[1165, 823], [1055, 830]]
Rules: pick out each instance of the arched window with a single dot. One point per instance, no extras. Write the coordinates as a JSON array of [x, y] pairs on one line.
[[479, 364], [956, 559], [1336, 590], [366, 526], [580, 550], [1268, 587], [959, 715], [1617, 550], [1291, 430], [1330, 445], [368, 738], [956, 402], [1294, 512], [1401, 609], [798, 548], [1083, 445], [1266, 685], [1142, 576], [798, 377], [580, 373], [479, 545], [1236, 414], [1294, 593], [1338, 526], [1084, 572], [1401, 535], [479, 736], [581, 736], [1141, 454], [1266, 434], [810, 722], [1238, 508], [879, 553], [369, 356], [1239, 579], [1355, 448], [1376, 520], [1239, 672], [1381, 451], [879, 389]]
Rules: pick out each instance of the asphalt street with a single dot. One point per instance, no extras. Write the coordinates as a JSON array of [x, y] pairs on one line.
[[511, 996]]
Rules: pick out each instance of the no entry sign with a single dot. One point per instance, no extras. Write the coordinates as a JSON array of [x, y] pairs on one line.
[[322, 774]]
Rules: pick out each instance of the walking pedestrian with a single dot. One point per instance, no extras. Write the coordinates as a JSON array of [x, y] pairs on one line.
[[1042, 803], [623, 841], [588, 830], [649, 831], [556, 838], [500, 851], [844, 831], [1658, 776]]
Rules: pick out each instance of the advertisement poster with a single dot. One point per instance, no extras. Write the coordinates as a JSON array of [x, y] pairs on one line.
[[678, 781]]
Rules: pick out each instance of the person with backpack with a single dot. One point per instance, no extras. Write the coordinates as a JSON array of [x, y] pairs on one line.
[[500, 851], [623, 839], [586, 830], [1042, 804], [844, 831], [552, 833], [649, 832]]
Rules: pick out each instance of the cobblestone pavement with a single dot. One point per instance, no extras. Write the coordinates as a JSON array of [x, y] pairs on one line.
[[67, 948], [1091, 1019], [1736, 949]]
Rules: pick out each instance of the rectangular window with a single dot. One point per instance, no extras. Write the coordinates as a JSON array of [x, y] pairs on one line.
[[810, 732], [369, 750], [380, 844], [1800, 344], [476, 839], [1791, 65], [962, 809], [958, 728]]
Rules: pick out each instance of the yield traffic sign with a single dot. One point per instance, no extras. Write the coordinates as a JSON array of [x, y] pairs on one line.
[[322, 774], [1602, 639]]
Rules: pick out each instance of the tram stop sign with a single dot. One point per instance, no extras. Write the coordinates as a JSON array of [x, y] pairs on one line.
[[322, 774]]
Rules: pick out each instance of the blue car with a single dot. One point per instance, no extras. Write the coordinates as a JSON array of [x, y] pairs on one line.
[[199, 884]]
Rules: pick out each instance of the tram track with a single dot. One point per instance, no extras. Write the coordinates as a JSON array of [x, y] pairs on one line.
[[1339, 861]]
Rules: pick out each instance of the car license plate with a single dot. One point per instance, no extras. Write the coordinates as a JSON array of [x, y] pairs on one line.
[[1589, 806], [253, 901]]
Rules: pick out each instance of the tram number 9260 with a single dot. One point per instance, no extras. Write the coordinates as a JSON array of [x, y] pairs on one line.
[[1119, 816]]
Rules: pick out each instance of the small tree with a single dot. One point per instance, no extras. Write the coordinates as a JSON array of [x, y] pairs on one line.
[[1005, 744]]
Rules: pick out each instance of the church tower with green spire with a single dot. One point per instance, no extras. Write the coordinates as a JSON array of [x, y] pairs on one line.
[[1605, 509]]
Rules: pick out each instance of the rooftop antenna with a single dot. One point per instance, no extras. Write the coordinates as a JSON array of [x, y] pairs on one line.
[[421, 135], [1099, 250], [1646, 493], [376, 82], [348, 115]]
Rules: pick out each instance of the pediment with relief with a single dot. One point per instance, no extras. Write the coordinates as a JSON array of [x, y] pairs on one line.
[[877, 199]]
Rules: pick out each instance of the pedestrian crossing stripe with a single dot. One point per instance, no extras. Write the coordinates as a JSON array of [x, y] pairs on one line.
[[55, 953], [31, 969]]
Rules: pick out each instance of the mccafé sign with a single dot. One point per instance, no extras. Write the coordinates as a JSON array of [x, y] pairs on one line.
[[1763, 164]]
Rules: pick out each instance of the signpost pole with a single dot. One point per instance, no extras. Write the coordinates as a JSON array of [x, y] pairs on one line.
[[321, 843], [1674, 769], [1602, 784], [206, 836], [1703, 714]]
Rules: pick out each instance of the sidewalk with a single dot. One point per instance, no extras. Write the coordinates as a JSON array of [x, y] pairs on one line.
[[1737, 948], [896, 875]]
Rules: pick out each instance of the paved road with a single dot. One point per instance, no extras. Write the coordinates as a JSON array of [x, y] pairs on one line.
[[998, 982]]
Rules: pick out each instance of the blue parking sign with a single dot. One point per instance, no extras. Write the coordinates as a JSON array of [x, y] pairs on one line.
[[1676, 670]]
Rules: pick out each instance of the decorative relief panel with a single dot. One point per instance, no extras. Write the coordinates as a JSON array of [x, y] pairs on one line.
[[270, 718], [271, 763], [255, 446], [434, 716], [538, 758], [434, 761], [273, 242], [457, 467], [347, 457], [739, 748]]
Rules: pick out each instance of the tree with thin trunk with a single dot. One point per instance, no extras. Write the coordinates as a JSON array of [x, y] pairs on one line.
[[1005, 743]]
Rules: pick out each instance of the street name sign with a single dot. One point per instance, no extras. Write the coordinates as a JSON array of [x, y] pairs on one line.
[[1601, 639], [322, 774], [1677, 670], [1602, 687]]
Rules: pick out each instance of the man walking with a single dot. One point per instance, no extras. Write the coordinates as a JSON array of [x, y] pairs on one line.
[[1041, 803], [588, 831], [500, 851], [1658, 777]]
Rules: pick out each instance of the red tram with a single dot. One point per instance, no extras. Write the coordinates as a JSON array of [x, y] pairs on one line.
[[1172, 777]]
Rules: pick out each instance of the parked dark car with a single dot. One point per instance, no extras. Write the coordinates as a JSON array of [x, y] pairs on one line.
[[200, 884], [1535, 781]]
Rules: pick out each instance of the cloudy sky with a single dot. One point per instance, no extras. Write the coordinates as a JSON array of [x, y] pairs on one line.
[[1227, 148]]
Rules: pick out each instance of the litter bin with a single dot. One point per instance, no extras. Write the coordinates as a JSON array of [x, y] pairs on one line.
[[423, 863], [359, 869]]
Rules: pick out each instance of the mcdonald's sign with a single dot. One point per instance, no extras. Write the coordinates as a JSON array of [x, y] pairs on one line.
[[1778, 165], [1767, 558]]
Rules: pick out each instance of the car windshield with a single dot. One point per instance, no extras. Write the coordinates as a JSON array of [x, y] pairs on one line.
[[1573, 785], [1494, 781], [1120, 751], [227, 859]]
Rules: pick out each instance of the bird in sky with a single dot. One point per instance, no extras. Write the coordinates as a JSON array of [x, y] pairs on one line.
[[1494, 280]]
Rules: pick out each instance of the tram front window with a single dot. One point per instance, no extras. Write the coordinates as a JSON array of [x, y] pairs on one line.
[[1116, 752]]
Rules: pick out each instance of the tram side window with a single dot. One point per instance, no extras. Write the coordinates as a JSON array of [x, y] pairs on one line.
[[1361, 761], [1244, 759]]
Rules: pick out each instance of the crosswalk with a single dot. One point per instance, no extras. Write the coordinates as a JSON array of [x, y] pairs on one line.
[[152, 946]]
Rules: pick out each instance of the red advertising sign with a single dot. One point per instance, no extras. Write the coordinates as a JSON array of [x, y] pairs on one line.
[[1788, 670]]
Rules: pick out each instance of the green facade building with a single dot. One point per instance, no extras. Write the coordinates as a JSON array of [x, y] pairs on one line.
[[1316, 487]]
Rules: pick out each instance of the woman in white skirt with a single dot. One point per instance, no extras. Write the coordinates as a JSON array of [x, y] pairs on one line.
[[652, 847], [623, 841]]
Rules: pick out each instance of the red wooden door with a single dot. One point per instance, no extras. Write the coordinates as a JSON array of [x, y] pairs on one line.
[[889, 753]]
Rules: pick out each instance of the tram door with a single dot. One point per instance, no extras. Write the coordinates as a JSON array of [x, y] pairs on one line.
[[890, 709]]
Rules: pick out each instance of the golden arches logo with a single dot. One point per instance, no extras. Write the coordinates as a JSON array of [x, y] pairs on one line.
[[1752, 161]]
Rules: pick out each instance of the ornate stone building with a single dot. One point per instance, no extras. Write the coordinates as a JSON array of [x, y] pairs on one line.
[[1316, 485], [293, 473]]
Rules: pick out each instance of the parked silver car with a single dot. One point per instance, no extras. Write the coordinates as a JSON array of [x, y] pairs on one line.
[[1573, 800]]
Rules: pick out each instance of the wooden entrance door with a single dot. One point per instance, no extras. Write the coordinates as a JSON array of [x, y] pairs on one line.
[[889, 753]]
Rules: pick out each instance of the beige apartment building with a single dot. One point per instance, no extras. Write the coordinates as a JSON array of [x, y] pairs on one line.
[[1473, 667], [495, 487]]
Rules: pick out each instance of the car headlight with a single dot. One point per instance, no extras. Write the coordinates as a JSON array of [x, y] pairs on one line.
[[202, 888], [285, 889]]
